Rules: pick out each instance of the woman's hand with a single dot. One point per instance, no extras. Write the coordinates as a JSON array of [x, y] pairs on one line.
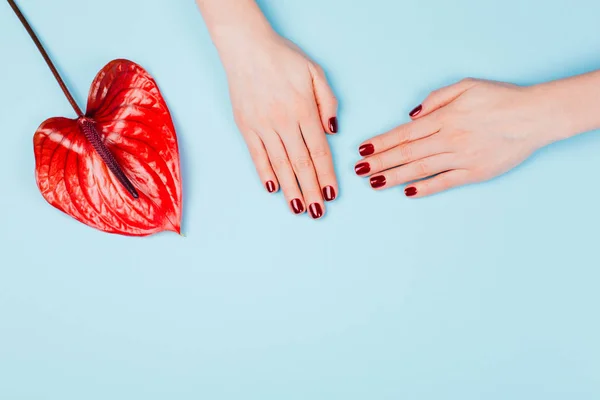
[[283, 107], [468, 132], [281, 101]]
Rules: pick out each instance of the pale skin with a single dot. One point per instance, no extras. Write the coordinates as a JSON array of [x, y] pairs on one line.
[[282, 104], [465, 133], [475, 130]]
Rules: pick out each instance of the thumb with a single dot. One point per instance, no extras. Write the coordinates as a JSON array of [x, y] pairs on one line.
[[326, 101], [442, 97]]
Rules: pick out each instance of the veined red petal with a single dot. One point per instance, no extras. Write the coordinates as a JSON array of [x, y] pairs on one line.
[[135, 125]]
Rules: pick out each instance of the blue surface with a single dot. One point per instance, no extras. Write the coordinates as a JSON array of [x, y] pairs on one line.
[[485, 292]]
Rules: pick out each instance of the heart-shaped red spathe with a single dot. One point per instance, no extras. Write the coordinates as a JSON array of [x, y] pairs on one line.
[[135, 125]]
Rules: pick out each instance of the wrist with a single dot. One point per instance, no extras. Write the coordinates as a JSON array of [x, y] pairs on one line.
[[551, 119], [240, 44], [235, 26], [230, 37], [569, 106]]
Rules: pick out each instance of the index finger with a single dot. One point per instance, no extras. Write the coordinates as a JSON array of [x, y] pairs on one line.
[[320, 153], [402, 134]]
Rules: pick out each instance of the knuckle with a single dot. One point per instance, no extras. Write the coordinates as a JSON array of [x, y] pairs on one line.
[[305, 111], [303, 163], [445, 182], [319, 152], [279, 163], [311, 194], [278, 117], [269, 136], [403, 135], [317, 68], [406, 153], [432, 95], [378, 141], [241, 123], [326, 175], [422, 168], [469, 81], [243, 119], [377, 162], [455, 141], [399, 175], [479, 175], [461, 135], [333, 101], [256, 153], [263, 166]]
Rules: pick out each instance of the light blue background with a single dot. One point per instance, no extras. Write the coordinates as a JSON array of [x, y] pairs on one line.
[[485, 292]]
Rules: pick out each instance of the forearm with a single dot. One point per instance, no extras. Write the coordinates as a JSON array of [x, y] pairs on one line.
[[233, 22], [572, 104]]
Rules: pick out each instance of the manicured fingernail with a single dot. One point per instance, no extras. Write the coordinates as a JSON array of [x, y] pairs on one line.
[[270, 186], [333, 125], [297, 206], [362, 168], [329, 193], [416, 111], [316, 211], [410, 191], [366, 149], [377, 181]]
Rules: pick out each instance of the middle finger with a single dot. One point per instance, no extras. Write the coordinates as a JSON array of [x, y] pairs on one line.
[[400, 155], [305, 171]]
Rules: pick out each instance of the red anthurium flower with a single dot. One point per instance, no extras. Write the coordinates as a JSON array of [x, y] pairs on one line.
[[116, 167], [135, 126]]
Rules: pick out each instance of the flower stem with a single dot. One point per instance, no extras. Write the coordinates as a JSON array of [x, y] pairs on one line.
[[40, 47], [85, 125]]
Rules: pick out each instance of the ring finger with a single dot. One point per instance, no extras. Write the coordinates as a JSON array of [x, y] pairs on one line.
[[285, 174], [261, 161], [413, 171]]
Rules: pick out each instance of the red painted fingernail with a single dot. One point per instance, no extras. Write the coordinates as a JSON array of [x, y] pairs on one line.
[[316, 211], [410, 191], [297, 206], [362, 168], [329, 193], [333, 125], [377, 181], [270, 185], [366, 149], [416, 111]]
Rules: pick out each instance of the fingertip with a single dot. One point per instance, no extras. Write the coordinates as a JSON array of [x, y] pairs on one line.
[[329, 193], [297, 206], [333, 125], [366, 149], [378, 182], [316, 211], [411, 191], [415, 112], [271, 186], [362, 168]]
